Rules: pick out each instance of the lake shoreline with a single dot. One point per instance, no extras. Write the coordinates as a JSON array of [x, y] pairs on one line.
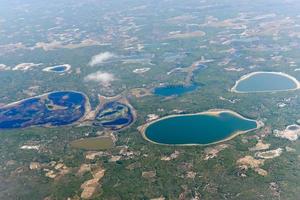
[[244, 77], [212, 112]]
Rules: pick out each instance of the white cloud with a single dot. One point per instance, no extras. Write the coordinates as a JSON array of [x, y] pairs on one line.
[[103, 78], [4, 67], [101, 58], [141, 70], [60, 45], [25, 66]]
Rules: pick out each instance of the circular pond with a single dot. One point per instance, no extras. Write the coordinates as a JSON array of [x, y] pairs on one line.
[[265, 82]]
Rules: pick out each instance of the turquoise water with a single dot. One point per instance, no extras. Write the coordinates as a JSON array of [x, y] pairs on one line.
[[197, 129], [265, 82]]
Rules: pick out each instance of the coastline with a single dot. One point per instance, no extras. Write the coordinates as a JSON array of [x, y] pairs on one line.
[[246, 76], [212, 112]]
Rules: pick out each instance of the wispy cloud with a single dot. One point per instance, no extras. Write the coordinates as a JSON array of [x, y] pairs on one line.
[[101, 58], [4, 67], [60, 45], [103, 78], [25, 66]]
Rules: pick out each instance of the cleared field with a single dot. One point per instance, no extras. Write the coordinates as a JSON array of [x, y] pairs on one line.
[[99, 143]]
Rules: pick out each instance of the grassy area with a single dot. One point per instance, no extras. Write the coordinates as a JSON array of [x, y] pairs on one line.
[[99, 143]]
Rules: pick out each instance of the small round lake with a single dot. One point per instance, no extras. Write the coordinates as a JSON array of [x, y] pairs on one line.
[[201, 128], [265, 82], [58, 68]]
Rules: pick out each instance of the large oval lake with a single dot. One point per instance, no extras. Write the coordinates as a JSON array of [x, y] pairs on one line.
[[202, 128], [265, 82]]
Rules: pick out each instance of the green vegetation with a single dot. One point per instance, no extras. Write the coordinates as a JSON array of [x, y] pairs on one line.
[[241, 37], [100, 143]]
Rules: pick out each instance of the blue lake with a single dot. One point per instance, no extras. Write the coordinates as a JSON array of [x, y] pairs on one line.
[[171, 90], [59, 68], [180, 89], [114, 115], [265, 82], [51, 109], [197, 129]]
